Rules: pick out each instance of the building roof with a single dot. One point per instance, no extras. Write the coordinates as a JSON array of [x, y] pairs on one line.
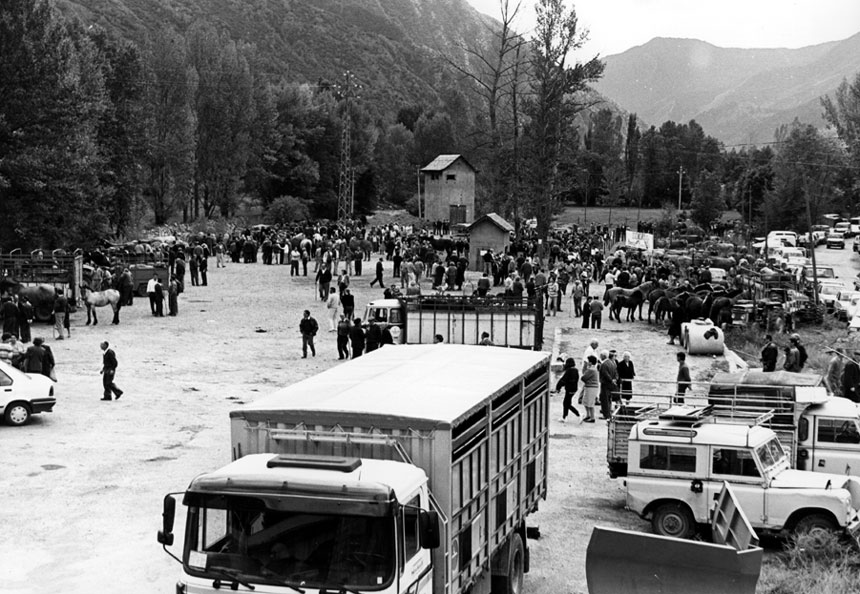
[[443, 162], [496, 220]]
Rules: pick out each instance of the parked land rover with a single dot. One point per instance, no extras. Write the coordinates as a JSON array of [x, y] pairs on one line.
[[677, 464]]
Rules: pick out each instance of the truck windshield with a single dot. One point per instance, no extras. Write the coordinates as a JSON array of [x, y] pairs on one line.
[[771, 454], [296, 548]]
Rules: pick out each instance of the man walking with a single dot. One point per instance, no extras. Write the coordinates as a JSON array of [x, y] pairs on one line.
[[378, 278], [343, 338], [683, 379], [308, 327], [109, 365]]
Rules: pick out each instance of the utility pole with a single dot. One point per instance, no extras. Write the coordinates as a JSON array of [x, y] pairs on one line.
[[418, 179], [680, 178], [346, 92]]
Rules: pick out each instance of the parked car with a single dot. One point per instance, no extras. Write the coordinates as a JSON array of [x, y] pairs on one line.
[[843, 227], [24, 394], [845, 304], [819, 233], [836, 240], [822, 272], [857, 243], [828, 292]]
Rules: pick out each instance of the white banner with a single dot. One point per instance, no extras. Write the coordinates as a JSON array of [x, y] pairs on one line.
[[640, 241]]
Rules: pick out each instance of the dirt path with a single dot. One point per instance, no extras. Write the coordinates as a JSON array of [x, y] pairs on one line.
[[81, 488]]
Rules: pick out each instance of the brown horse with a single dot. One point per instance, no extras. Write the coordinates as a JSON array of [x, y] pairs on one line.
[[94, 299]]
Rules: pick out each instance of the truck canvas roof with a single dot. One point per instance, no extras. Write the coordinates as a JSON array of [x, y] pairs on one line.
[[432, 385]]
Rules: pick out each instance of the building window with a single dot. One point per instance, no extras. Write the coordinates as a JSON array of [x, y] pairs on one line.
[[435, 176], [451, 177]]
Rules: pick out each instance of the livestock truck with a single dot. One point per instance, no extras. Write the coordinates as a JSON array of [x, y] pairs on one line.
[[411, 470], [460, 319]]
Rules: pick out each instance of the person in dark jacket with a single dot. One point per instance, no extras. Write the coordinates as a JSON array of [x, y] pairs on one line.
[[343, 337], [356, 338], [569, 380], [373, 337], [179, 270], [683, 379], [10, 314], [769, 354], [25, 316], [308, 328], [626, 373], [851, 379], [35, 357], [109, 365]]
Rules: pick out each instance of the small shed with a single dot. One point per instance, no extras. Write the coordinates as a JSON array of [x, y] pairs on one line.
[[449, 190], [489, 232]]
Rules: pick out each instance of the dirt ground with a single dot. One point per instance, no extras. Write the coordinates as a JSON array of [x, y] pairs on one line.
[[81, 488]]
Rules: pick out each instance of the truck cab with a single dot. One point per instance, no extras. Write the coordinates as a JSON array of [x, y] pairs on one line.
[[677, 467], [387, 313], [828, 438], [300, 521]]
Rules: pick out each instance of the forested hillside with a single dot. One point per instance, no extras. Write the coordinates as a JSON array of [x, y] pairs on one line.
[[392, 46]]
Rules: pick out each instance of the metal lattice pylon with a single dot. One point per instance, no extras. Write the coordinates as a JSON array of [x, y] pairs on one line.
[[346, 182]]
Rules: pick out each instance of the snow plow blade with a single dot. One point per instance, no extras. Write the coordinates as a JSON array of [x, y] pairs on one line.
[[626, 562]]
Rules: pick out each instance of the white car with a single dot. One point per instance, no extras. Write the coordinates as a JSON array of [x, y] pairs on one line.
[[828, 293], [845, 304], [24, 394]]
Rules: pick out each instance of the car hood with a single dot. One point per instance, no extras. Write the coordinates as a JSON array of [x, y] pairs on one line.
[[804, 479]]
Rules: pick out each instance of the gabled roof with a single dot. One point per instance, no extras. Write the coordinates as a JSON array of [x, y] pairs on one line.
[[496, 220], [443, 162]]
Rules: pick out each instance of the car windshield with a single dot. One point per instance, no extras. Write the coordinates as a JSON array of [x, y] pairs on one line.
[[770, 454], [242, 537], [828, 290]]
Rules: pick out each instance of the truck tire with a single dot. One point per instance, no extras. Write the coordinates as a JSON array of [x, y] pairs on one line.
[[815, 525], [673, 519], [512, 581]]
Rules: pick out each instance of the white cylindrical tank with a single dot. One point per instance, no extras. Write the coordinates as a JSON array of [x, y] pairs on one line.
[[701, 337]]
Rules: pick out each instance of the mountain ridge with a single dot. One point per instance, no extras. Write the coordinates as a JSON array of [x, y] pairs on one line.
[[737, 95]]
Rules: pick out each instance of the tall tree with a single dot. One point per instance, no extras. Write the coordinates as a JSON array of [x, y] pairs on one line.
[[708, 203], [122, 134], [171, 89], [843, 115], [806, 162], [51, 99], [394, 171], [225, 114], [553, 104]]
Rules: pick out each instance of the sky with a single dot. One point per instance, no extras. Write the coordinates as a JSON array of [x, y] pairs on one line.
[[617, 25]]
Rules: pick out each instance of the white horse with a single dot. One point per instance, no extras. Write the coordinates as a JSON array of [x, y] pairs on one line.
[[95, 299]]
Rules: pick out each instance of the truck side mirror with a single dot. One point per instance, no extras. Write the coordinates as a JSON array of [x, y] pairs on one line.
[[165, 535], [428, 529]]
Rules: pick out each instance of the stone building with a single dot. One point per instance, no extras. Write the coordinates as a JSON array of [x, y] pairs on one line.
[[489, 232], [449, 190]]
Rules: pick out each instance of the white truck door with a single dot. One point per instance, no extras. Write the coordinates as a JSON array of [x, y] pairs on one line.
[[737, 466], [836, 446]]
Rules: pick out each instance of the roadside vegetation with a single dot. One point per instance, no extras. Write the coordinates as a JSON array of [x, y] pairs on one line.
[[812, 564]]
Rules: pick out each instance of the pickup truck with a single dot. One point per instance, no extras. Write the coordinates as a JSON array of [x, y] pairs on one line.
[[679, 461]]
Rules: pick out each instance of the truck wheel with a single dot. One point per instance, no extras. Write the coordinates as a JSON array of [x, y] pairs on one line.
[[17, 414], [512, 581], [816, 526], [673, 519]]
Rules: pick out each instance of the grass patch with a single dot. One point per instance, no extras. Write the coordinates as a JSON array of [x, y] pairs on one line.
[[812, 564]]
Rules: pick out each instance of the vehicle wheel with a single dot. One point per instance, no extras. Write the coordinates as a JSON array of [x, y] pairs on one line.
[[17, 414], [817, 526], [673, 519], [512, 582]]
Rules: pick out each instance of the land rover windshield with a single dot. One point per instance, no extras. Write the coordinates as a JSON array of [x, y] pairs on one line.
[[256, 542], [771, 455]]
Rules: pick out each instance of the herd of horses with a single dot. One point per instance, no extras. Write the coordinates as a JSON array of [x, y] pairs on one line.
[[701, 301]]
